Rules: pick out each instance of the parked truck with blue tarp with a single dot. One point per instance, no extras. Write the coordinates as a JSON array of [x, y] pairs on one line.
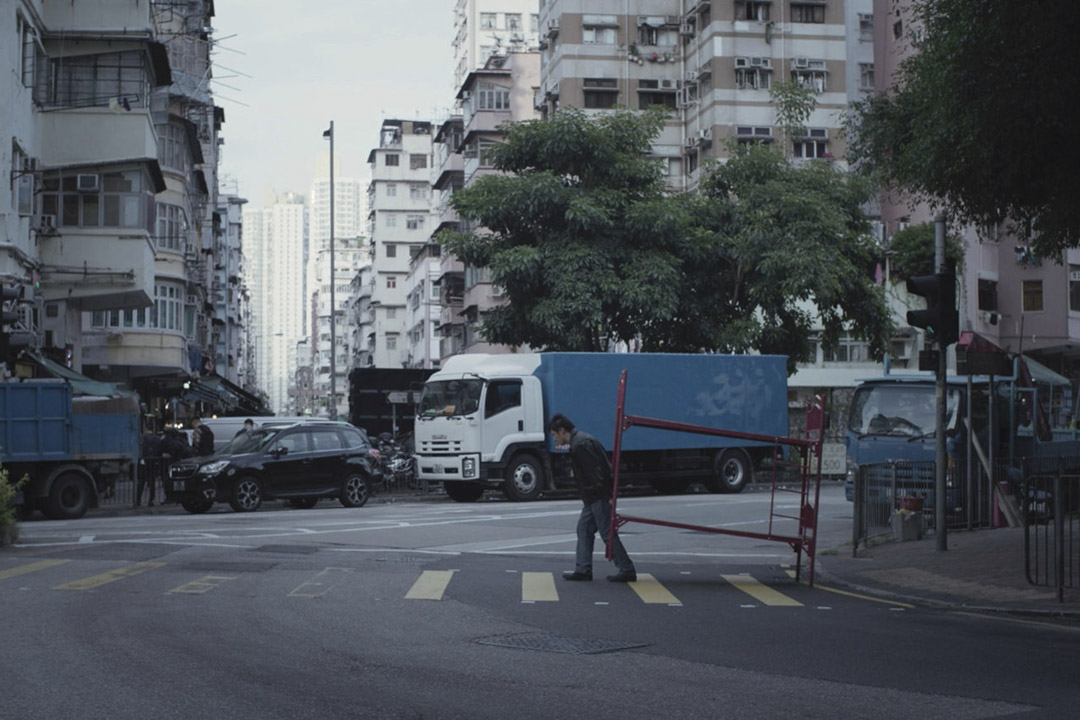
[[73, 449], [482, 419]]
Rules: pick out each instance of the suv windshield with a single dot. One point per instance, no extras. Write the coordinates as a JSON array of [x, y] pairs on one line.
[[899, 410], [249, 442], [451, 397]]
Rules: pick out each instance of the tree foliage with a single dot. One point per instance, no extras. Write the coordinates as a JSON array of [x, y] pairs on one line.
[[978, 119], [912, 251], [590, 246]]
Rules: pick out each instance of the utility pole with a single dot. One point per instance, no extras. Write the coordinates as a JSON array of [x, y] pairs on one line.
[[333, 281], [939, 394]]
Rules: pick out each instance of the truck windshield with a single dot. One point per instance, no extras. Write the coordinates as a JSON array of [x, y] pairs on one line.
[[450, 397], [899, 410]]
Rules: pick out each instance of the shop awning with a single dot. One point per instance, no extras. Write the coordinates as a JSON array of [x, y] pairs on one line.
[[81, 385]]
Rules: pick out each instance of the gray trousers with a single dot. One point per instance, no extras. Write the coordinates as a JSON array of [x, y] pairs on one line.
[[597, 516]]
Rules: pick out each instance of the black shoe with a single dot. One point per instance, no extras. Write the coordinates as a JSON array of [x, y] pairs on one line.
[[623, 577], [577, 576]]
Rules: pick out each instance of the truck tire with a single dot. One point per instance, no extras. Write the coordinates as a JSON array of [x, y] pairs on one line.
[[524, 478], [464, 491], [69, 497], [247, 495], [732, 472]]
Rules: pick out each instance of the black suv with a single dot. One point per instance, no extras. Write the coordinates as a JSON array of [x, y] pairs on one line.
[[299, 463]]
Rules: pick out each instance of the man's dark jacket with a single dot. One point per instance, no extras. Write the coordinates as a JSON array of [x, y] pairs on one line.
[[592, 469]]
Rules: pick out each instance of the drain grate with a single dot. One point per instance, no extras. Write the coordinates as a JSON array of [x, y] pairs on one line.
[[547, 642]]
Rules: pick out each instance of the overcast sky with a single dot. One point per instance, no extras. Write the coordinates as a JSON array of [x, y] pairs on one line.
[[355, 62]]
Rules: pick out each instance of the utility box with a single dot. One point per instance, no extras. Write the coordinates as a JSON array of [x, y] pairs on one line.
[[907, 525]]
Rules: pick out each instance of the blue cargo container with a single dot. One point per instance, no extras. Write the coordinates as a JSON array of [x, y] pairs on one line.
[[70, 447], [482, 419]]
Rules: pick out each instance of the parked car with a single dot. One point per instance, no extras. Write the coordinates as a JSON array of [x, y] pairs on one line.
[[301, 463], [227, 428]]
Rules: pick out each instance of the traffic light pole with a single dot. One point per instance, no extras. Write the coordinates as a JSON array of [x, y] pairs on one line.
[[942, 368]]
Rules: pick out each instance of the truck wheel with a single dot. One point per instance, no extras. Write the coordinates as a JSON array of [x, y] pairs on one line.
[[69, 498], [464, 491], [355, 491], [732, 472], [247, 495], [197, 507], [524, 479]]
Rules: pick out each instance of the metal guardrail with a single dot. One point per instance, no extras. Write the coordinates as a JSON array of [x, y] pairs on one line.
[[1049, 498]]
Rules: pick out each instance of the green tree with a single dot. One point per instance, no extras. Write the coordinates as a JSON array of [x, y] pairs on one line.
[[589, 245], [912, 251], [978, 119], [793, 102]]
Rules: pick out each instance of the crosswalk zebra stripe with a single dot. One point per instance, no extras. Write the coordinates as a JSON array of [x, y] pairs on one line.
[[29, 568], [538, 587], [89, 583], [430, 585], [649, 589], [761, 592], [202, 585]]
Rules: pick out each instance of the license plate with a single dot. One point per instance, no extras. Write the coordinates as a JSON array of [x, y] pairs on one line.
[[177, 485], [438, 467]]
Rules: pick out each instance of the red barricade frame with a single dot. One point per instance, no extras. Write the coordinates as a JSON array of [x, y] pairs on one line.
[[805, 540]]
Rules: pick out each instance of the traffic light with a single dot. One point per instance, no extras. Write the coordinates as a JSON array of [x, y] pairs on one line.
[[940, 318]]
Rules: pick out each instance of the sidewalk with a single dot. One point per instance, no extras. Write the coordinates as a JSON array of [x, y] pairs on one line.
[[981, 570]]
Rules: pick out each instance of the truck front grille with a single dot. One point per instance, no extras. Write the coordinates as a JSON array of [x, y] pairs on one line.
[[440, 447]]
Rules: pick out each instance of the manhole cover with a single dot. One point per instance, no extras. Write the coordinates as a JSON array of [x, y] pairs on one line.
[[292, 549], [547, 642]]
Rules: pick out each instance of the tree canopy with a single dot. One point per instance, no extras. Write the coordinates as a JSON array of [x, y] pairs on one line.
[[978, 119], [589, 245]]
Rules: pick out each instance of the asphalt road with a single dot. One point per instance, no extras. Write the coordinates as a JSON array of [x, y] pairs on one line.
[[443, 610]]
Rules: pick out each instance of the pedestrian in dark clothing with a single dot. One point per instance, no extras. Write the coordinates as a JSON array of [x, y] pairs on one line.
[[150, 465], [249, 425], [592, 474], [202, 438]]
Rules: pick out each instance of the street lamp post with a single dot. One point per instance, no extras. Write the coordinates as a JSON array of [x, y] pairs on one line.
[[333, 281]]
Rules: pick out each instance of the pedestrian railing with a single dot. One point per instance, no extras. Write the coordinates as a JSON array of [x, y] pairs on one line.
[[1049, 500]]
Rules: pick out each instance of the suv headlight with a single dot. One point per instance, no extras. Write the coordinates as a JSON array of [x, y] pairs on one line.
[[213, 468], [468, 467]]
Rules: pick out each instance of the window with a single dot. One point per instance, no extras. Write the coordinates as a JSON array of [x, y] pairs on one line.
[[866, 27], [898, 29], [1074, 288], [354, 438], [22, 178], [513, 21], [753, 78], [744, 133], [326, 440], [599, 29], [502, 395], [293, 443], [654, 30], [487, 21], [391, 250], [600, 93], [812, 143], [810, 74], [649, 96], [417, 161], [391, 313], [1032, 291], [751, 10], [165, 313], [173, 152], [808, 12], [866, 76], [28, 40], [95, 80], [391, 283], [492, 97], [391, 342], [414, 222], [988, 294], [486, 159], [849, 350], [391, 220], [391, 190], [172, 227], [391, 160], [534, 22], [122, 199], [418, 191]]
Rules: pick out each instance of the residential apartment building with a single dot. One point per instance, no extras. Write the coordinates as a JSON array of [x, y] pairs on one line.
[[422, 310], [230, 297], [483, 28], [275, 247], [449, 177], [112, 141], [400, 219]]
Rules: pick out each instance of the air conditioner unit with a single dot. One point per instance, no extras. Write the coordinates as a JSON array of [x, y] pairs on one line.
[[802, 62], [691, 143], [691, 76], [668, 84], [671, 20], [705, 133], [741, 62], [43, 222], [88, 183], [686, 29], [553, 28]]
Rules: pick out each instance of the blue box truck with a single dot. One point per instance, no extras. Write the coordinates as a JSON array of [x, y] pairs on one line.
[[482, 419], [72, 448]]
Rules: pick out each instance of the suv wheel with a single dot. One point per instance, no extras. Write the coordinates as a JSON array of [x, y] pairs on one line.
[[355, 491], [247, 495]]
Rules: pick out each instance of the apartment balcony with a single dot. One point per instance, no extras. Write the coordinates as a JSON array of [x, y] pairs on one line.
[[107, 18], [82, 136], [98, 269]]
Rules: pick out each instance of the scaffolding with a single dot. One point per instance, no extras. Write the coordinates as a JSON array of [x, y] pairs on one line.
[[808, 466]]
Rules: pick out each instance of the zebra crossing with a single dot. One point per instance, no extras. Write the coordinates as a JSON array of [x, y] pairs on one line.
[[428, 585]]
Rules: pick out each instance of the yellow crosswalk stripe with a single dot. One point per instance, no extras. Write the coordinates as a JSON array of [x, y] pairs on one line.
[[318, 585], [94, 581], [761, 592], [202, 585], [538, 587], [430, 585], [29, 568], [651, 591]]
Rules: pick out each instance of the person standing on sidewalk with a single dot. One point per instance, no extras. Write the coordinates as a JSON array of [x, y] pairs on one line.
[[592, 474], [202, 438]]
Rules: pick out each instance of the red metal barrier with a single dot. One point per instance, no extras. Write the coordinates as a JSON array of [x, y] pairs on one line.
[[805, 539]]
